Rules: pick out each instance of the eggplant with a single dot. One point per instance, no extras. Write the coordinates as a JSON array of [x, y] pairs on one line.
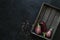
[[43, 26], [49, 33], [38, 29]]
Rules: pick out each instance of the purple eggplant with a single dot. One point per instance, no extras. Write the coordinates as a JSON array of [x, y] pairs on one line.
[[38, 29], [49, 32], [43, 26]]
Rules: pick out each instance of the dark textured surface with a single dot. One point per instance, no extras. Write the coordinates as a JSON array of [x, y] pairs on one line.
[[14, 12], [57, 34]]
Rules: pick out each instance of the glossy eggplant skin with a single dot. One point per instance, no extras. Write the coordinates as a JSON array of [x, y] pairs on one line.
[[43, 26]]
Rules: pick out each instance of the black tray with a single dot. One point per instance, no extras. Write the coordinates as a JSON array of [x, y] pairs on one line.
[[51, 15]]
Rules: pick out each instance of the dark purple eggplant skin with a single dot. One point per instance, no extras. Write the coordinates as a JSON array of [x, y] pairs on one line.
[[43, 26]]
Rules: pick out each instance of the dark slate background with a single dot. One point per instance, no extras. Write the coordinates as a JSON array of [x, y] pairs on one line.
[[14, 12]]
